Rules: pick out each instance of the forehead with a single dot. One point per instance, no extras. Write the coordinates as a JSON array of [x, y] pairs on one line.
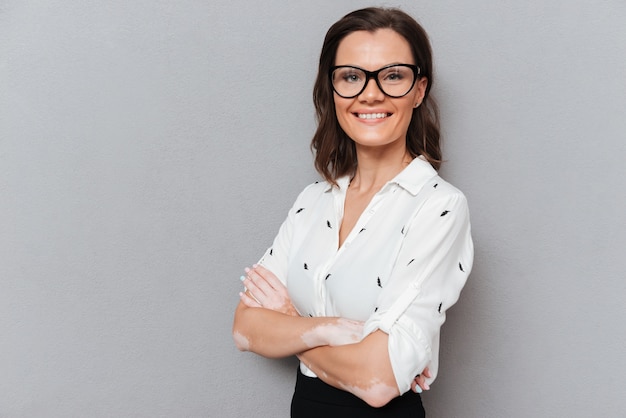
[[372, 50]]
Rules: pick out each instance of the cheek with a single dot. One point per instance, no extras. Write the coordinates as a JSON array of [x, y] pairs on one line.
[[342, 114], [340, 105], [406, 113]]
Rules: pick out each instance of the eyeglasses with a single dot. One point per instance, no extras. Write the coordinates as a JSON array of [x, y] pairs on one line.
[[393, 80]]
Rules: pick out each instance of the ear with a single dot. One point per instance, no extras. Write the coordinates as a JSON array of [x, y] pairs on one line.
[[420, 90]]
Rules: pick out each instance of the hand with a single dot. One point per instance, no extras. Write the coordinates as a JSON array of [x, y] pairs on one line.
[[265, 290], [419, 383]]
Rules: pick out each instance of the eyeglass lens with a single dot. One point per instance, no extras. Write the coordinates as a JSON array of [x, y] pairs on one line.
[[394, 81]]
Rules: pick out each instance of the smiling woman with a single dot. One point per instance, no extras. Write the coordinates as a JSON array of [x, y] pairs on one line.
[[362, 271]]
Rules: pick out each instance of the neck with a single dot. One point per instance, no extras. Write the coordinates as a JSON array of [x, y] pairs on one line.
[[376, 167]]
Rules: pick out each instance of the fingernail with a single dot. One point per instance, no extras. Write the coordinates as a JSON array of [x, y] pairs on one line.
[[418, 389], [242, 278], [255, 265], [247, 269], [426, 386]]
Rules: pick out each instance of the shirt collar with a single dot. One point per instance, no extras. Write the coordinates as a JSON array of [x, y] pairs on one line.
[[415, 175], [412, 178], [342, 184]]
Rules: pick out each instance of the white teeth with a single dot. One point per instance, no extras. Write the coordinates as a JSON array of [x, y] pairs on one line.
[[372, 115]]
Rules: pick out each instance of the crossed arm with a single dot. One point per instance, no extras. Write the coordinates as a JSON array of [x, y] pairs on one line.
[[266, 323]]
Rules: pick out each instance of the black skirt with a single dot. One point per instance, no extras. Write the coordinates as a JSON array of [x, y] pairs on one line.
[[313, 398]]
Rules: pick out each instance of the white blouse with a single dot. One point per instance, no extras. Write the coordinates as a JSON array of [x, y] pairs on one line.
[[401, 267]]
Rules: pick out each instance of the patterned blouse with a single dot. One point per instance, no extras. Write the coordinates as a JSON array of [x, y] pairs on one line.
[[401, 267]]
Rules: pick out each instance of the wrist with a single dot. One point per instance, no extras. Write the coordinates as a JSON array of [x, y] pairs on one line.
[[318, 334], [291, 310]]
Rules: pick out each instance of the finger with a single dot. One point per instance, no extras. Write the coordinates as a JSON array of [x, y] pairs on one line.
[[248, 301], [259, 281], [426, 372], [252, 288], [269, 277], [420, 381], [415, 387]]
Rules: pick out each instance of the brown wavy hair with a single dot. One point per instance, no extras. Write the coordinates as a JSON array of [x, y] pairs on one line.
[[335, 152]]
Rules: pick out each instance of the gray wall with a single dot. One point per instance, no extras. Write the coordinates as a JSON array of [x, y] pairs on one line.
[[150, 149]]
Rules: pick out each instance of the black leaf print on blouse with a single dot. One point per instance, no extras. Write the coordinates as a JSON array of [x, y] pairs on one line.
[[271, 251], [299, 210], [376, 309], [306, 267], [402, 232], [461, 267], [378, 282], [311, 315], [412, 260], [327, 276], [329, 225], [435, 186], [445, 212], [439, 309], [362, 229]]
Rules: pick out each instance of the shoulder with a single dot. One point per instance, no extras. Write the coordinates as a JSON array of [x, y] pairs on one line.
[[446, 191], [444, 198], [312, 194], [314, 190]]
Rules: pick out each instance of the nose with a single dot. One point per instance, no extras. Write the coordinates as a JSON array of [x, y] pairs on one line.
[[372, 92]]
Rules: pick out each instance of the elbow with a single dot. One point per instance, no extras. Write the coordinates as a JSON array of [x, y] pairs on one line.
[[241, 341], [380, 398], [376, 402], [378, 394]]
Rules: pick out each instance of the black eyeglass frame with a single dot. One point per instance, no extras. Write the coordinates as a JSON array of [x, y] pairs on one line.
[[374, 74]]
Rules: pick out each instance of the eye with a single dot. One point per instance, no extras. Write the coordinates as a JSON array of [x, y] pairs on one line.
[[348, 75], [393, 75], [351, 77]]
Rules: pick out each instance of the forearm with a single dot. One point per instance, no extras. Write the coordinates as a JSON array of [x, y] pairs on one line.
[[363, 369], [274, 334]]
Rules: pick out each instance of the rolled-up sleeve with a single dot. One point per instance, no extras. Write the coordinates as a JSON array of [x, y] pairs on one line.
[[432, 267]]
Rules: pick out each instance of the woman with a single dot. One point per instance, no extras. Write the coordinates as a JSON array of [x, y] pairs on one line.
[[359, 277]]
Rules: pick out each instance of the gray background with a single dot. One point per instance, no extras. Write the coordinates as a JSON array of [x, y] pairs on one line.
[[150, 149]]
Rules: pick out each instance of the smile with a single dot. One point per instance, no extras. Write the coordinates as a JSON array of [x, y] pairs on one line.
[[372, 115]]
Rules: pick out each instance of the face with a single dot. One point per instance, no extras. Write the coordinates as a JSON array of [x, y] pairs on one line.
[[373, 119]]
